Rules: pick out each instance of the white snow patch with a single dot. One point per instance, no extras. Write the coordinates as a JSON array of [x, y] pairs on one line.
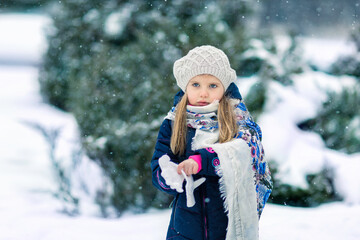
[[346, 169], [324, 52], [117, 21], [22, 38]]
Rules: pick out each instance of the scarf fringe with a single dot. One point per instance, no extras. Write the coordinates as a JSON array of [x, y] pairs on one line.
[[237, 189]]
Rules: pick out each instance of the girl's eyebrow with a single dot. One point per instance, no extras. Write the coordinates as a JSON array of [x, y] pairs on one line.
[[194, 81]]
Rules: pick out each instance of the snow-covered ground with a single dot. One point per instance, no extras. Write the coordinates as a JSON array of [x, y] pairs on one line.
[[28, 209]]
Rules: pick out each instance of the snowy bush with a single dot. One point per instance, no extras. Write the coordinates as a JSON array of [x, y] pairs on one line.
[[300, 172], [338, 121], [270, 59], [302, 124], [349, 64], [110, 63], [273, 58], [320, 189], [63, 192]]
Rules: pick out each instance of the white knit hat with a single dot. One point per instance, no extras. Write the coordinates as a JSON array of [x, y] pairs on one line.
[[203, 60]]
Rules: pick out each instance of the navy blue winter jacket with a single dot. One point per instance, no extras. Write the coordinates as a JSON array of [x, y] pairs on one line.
[[206, 219]]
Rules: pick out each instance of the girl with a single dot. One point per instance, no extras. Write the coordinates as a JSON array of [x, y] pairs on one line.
[[208, 154]]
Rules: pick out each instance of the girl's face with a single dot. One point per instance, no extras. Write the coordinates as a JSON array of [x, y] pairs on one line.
[[204, 89]]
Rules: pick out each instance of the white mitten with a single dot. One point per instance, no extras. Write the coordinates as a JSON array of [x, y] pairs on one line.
[[169, 173], [175, 181], [190, 187]]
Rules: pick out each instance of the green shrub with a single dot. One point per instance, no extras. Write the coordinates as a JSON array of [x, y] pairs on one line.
[[320, 190], [338, 121]]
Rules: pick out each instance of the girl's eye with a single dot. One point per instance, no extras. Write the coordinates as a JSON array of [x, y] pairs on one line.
[[213, 86], [195, 85]]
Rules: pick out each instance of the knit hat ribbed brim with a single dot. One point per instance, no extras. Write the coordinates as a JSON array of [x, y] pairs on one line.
[[203, 60]]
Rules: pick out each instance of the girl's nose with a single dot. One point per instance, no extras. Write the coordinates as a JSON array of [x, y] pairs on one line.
[[204, 93]]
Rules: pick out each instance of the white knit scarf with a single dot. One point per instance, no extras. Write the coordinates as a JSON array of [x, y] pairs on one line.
[[237, 185]]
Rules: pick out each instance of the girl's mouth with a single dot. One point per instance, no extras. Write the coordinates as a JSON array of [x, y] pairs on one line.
[[203, 103]]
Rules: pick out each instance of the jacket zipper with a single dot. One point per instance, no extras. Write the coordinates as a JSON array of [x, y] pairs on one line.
[[174, 203], [205, 219]]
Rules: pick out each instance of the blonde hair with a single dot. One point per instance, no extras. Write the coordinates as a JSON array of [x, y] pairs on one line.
[[226, 119]]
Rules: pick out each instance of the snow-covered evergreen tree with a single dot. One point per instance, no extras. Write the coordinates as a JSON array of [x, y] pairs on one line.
[[269, 59], [338, 122], [349, 64]]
